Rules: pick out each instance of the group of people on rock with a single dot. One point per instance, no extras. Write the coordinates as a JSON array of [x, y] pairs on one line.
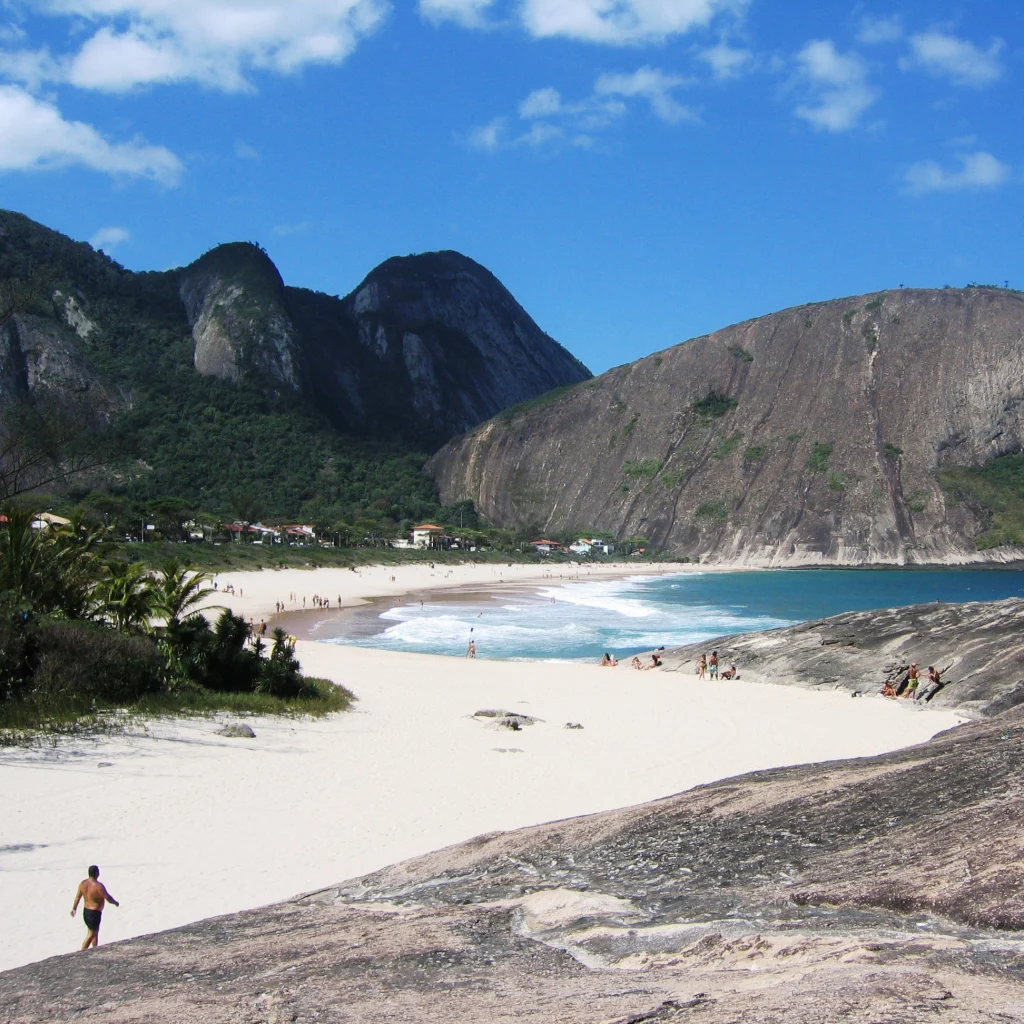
[[910, 684], [709, 668]]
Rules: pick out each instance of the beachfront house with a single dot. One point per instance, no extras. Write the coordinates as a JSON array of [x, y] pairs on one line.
[[581, 547], [427, 536], [602, 547], [544, 547]]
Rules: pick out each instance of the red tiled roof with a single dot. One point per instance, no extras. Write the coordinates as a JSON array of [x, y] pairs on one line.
[[428, 526]]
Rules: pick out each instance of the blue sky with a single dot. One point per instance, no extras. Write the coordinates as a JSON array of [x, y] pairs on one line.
[[637, 172]]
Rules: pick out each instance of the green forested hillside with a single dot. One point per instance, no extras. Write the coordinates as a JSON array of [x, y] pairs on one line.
[[218, 446]]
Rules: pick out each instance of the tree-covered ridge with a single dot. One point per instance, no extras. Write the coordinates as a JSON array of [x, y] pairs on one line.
[[218, 446]]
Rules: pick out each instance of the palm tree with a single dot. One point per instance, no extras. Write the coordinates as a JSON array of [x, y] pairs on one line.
[[128, 597], [179, 591]]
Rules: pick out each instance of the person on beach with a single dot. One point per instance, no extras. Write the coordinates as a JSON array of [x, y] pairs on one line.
[[713, 665], [913, 678], [655, 661], [637, 663], [95, 895], [702, 667], [731, 673], [471, 649]]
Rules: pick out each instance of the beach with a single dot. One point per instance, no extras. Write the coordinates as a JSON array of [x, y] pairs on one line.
[[187, 824]]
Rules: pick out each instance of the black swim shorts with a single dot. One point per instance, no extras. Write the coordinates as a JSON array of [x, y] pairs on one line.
[[92, 919]]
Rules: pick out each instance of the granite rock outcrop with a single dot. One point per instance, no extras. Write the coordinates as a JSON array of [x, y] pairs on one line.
[[811, 436]]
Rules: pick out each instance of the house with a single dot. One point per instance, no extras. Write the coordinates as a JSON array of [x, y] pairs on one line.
[[427, 536], [47, 519], [603, 547], [544, 547], [581, 547]]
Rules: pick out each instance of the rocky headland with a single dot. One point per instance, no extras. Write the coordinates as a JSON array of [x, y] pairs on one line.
[[877, 889], [832, 433]]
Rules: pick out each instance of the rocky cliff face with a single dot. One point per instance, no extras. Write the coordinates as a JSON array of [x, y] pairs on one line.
[[234, 300], [425, 348], [811, 436]]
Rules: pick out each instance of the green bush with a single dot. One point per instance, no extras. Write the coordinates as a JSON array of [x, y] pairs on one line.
[[714, 405], [740, 353], [646, 468], [714, 510], [817, 461], [728, 446], [754, 453], [83, 664]]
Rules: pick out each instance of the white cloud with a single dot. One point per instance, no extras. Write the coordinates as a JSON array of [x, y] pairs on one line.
[[960, 61], [218, 43], [469, 13], [652, 85], [246, 152], [29, 67], [880, 30], [553, 119], [839, 84], [726, 61], [34, 136], [489, 137], [977, 171], [621, 21], [541, 103], [108, 239]]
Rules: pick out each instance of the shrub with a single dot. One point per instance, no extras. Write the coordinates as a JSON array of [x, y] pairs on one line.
[[875, 304], [717, 511], [754, 453], [647, 468], [890, 451], [740, 353], [672, 479], [728, 446], [817, 461], [835, 482], [714, 405], [85, 664]]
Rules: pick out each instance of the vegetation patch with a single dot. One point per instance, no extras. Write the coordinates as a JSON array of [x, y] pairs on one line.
[[716, 511], [996, 493], [728, 446], [755, 453], [672, 479], [658, 360], [714, 405], [534, 404], [836, 482], [646, 468], [890, 451], [739, 352], [849, 315], [628, 429], [818, 460], [874, 304], [795, 437]]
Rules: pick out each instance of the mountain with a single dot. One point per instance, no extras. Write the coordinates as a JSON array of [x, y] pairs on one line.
[[229, 382], [885, 428]]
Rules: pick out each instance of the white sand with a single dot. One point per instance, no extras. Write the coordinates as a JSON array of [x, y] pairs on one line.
[[186, 824]]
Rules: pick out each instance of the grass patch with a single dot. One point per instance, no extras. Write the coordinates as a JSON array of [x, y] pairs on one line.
[[849, 315], [874, 304], [836, 482], [808, 324], [818, 460], [755, 453], [628, 429], [728, 446], [28, 722], [714, 405], [890, 451], [739, 352], [534, 404], [658, 360], [795, 437], [672, 479]]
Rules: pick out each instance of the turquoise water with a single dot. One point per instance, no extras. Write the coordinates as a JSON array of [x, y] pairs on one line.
[[579, 621]]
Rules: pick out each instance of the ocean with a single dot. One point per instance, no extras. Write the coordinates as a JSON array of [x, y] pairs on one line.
[[579, 621]]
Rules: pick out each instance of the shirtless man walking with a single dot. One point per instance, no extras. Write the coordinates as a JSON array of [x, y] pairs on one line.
[[95, 894]]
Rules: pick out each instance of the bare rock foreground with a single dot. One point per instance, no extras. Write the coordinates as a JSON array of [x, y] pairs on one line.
[[883, 889]]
